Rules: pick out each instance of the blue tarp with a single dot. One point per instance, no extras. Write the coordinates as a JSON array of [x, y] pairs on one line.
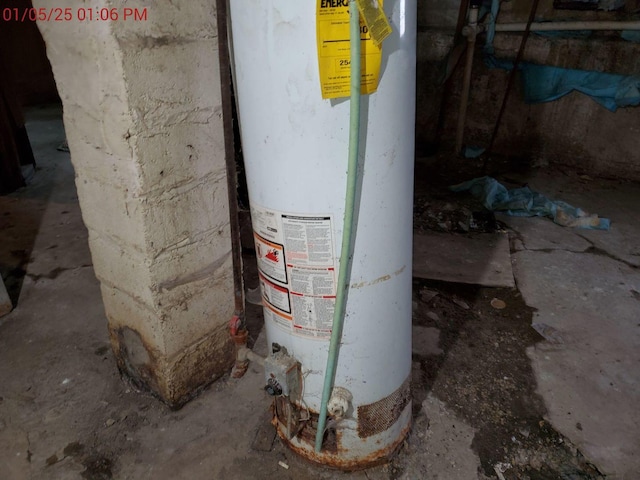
[[631, 35], [523, 202], [544, 84], [491, 8]]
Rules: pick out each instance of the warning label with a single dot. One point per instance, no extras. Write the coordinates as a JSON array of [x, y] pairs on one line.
[[275, 295], [332, 31], [296, 262], [271, 259], [280, 319]]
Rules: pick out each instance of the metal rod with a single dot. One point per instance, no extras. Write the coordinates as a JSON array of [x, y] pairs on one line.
[[466, 85], [512, 77], [229, 148], [448, 83], [560, 26]]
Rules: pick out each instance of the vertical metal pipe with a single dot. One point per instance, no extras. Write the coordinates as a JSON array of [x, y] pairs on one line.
[[466, 84], [229, 148], [512, 77]]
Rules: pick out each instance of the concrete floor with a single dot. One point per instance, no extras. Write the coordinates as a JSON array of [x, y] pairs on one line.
[[585, 287], [66, 414]]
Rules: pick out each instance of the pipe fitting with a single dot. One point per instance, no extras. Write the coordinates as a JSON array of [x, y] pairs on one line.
[[244, 355], [472, 31], [242, 363], [340, 402], [472, 28]]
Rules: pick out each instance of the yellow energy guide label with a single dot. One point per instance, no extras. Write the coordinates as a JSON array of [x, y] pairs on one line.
[[332, 29]]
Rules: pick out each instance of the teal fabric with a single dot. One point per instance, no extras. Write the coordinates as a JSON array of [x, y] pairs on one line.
[[631, 35], [523, 202], [544, 84]]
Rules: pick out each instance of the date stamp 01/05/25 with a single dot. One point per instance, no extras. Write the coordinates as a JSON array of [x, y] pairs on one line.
[[81, 14]]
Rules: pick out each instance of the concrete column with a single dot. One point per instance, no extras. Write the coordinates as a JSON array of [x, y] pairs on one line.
[[143, 116]]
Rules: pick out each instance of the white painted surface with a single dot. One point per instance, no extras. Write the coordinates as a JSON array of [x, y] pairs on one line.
[[295, 146]]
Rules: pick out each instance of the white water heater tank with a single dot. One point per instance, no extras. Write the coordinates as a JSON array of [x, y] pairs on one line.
[[295, 147]]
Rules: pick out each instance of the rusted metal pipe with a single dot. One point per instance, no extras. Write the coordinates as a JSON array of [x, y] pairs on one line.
[[471, 31], [230, 158], [244, 354], [512, 76]]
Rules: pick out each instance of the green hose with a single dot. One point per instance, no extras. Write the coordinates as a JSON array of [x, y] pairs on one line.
[[346, 255]]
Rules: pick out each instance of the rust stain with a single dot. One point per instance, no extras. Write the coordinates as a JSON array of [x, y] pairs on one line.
[[198, 366], [381, 279], [308, 435], [333, 452], [381, 415], [174, 380], [137, 361], [349, 465]]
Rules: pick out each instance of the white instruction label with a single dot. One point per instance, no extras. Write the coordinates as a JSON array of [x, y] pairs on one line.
[[276, 295], [312, 281], [296, 261], [313, 315], [308, 240]]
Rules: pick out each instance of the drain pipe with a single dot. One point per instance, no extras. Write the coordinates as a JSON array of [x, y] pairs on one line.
[[244, 354], [346, 253], [470, 31], [230, 161]]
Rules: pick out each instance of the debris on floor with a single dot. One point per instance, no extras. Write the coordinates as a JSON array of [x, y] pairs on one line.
[[441, 216], [498, 304], [549, 333], [63, 147], [523, 202]]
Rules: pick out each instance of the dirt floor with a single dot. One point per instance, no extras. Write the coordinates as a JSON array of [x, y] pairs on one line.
[[484, 375], [481, 402], [482, 371]]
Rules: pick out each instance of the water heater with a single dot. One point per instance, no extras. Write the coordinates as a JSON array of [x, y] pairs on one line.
[[295, 146]]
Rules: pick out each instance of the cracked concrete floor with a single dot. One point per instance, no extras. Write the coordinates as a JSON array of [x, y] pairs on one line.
[[585, 285], [65, 413]]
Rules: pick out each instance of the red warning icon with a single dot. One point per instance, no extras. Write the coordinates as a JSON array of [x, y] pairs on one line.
[[273, 255]]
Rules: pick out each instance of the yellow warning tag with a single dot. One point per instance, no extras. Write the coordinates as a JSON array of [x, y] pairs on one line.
[[375, 19], [332, 31]]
